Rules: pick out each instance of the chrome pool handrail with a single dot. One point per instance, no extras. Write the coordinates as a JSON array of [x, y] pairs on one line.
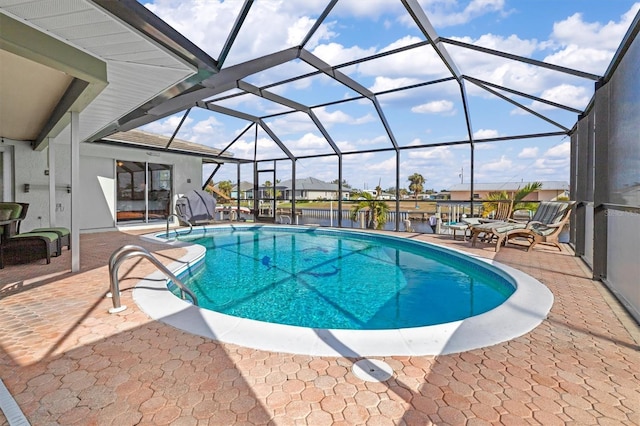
[[167, 232], [128, 251]]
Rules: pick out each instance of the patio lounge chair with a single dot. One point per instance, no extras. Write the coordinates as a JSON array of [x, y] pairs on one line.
[[550, 216], [28, 247], [64, 235], [538, 232], [15, 213], [502, 213]]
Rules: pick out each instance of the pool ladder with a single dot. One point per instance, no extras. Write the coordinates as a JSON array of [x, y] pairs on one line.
[[130, 251]]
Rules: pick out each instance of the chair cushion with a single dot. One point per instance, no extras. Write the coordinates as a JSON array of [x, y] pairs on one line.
[[58, 230], [499, 227], [14, 208], [48, 235], [5, 214], [542, 230], [549, 212]]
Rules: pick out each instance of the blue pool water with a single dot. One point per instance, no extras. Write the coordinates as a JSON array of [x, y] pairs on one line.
[[322, 278]]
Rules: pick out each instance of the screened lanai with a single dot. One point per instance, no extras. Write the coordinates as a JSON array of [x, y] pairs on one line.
[[313, 99], [363, 93], [367, 94], [295, 104]]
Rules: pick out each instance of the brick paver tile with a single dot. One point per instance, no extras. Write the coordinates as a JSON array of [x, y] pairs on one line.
[[67, 361]]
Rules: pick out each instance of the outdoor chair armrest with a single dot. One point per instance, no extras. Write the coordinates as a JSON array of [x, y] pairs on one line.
[[516, 221], [546, 225], [549, 225]]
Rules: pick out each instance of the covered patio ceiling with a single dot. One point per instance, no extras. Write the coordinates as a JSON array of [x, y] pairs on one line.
[[63, 56]]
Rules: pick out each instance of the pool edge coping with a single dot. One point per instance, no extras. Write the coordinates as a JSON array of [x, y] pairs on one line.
[[523, 311]]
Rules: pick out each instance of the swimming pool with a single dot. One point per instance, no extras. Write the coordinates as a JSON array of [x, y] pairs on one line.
[[324, 278], [492, 302]]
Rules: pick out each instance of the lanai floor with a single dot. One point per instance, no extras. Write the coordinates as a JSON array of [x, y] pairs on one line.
[[65, 360]]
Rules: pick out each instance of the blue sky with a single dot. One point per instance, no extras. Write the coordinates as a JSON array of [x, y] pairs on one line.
[[579, 34]]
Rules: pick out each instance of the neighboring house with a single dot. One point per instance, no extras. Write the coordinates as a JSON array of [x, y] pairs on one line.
[[354, 193], [310, 189], [550, 190], [246, 191]]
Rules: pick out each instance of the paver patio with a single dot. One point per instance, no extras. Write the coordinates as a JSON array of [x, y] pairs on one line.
[[66, 360]]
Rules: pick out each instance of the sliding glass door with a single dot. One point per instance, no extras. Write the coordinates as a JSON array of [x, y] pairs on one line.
[[144, 191]]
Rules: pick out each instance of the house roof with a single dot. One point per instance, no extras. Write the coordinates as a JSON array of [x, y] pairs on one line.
[[244, 186], [509, 186], [146, 140], [309, 184]]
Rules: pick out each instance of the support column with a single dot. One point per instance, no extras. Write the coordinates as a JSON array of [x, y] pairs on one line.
[[75, 191], [51, 152], [397, 224], [601, 189]]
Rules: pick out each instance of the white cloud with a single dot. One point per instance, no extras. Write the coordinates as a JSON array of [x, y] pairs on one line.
[[388, 165], [547, 167], [439, 153], [564, 94], [291, 124], [447, 13], [511, 44], [575, 31], [528, 152], [269, 27], [485, 134], [168, 126], [299, 29], [354, 144], [588, 46], [582, 58], [562, 150], [434, 107], [498, 165], [308, 141], [335, 53], [339, 117], [382, 84], [207, 126], [420, 62]]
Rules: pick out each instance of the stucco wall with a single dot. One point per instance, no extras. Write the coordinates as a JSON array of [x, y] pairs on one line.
[[97, 181], [29, 168]]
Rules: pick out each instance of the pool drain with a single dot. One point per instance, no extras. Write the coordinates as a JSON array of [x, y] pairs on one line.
[[372, 370]]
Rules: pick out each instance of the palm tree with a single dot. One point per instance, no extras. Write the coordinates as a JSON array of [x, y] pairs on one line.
[[517, 197], [417, 180], [376, 210], [225, 187]]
